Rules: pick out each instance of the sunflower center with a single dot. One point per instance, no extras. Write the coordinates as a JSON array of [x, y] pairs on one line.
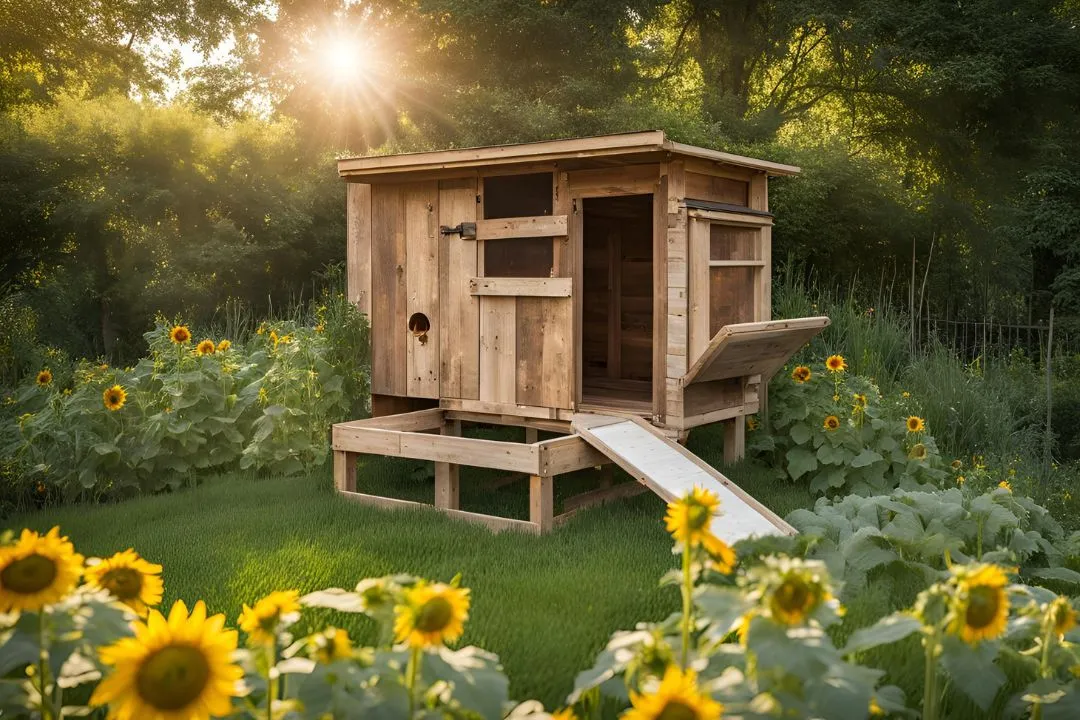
[[173, 677], [434, 615], [793, 596], [124, 583], [677, 710], [982, 606], [697, 517], [29, 575]]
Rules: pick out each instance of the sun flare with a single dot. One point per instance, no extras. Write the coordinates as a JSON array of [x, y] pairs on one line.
[[344, 60]]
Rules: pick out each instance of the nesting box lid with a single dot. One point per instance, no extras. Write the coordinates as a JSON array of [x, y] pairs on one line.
[[598, 151]]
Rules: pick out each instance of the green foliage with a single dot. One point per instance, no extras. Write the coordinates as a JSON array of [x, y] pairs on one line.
[[262, 405], [837, 433], [861, 538]]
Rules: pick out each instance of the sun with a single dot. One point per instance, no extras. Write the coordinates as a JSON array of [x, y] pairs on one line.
[[344, 60]]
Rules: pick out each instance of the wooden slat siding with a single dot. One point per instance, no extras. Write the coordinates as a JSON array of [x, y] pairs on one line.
[[704, 397], [507, 228], [699, 333], [737, 411], [759, 200], [716, 189], [660, 299], [557, 287], [388, 291], [409, 421], [733, 297], [498, 349], [530, 351], [358, 245], [557, 351], [677, 279], [627, 180], [499, 408], [422, 280], [460, 336], [718, 169]]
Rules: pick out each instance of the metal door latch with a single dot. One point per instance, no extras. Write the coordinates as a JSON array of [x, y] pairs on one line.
[[467, 230]]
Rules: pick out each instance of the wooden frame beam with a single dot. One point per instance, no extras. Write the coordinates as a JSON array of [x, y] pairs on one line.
[[521, 227], [521, 287]]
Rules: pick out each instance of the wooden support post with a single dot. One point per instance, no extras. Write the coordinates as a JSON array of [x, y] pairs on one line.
[[541, 502], [447, 477], [531, 435], [734, 439], [345, 471]]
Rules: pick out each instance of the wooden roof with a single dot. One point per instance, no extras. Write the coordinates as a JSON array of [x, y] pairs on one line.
[[601, 150]]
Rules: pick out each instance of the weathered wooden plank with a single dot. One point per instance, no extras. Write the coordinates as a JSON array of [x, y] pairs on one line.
[[389, 291], [493, 523], [568, 454], [498, 349], [518, 287], [499, 408], [699, 306], [447, 475], [601, 496], [422, 281], [541, 502], [530, 351], [557, 352], [519, 227], [410, 421], [460, 328], [625, 180], [366, 440], [729, 218], [712, 188], [345, 471], [660, 296], [358, 246], [753, 348]]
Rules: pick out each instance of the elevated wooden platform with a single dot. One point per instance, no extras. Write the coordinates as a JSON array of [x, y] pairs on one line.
[[655, 461]]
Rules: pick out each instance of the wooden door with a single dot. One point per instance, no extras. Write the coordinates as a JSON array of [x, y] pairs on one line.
[[460, 336]]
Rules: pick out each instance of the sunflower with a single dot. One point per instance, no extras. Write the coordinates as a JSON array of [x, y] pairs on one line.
[[1004, 485], [130, 579], [905, 394], [801, 374], [956, 464], [915, 424], [688, 517], [223, 345], [836, 363], [431, 615], [751, 423], [274, 337], [859, 400], [980, 604], [917, 452], [831, 423], [721, 555], [206, 347], [37, 570], [175, 669], [114, 397], [44, 378], [261, 622], [564, 714], [960, 479], [330, 645], [1062, 615], [795, 591], [180, 334], [677, 696]]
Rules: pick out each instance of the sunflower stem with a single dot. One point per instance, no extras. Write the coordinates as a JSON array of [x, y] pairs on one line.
[[413, 672], [43, 668], [930, 696], [270, 680], [1044, 665], [687, 606]]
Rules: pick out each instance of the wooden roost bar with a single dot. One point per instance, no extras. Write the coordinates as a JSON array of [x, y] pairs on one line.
[[549, 284]]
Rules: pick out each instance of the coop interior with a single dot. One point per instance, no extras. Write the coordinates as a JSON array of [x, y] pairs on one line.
[[617, 303]]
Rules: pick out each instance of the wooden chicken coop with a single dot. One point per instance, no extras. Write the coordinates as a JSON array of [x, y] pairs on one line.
[[612, 289]]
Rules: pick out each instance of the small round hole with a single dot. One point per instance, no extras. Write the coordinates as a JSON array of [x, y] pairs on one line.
[[419, 324]]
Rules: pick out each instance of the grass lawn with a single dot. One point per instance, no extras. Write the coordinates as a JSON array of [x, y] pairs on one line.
[[546, 605]]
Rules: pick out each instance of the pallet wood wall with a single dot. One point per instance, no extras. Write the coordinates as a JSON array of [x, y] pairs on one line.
[[358, 245], [389, 291], [460, 336]]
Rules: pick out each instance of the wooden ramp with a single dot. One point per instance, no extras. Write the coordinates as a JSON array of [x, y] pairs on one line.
[[670, 470]]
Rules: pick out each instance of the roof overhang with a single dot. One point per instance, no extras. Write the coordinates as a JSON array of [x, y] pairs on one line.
[[611, 150]]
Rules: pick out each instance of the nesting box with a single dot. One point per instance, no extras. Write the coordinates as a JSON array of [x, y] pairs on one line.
[[624, 275]]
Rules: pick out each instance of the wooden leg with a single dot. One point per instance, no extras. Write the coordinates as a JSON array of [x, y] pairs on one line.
[[447, 485], [531, 435], [734, 439], [345, 470], [541, 501]]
